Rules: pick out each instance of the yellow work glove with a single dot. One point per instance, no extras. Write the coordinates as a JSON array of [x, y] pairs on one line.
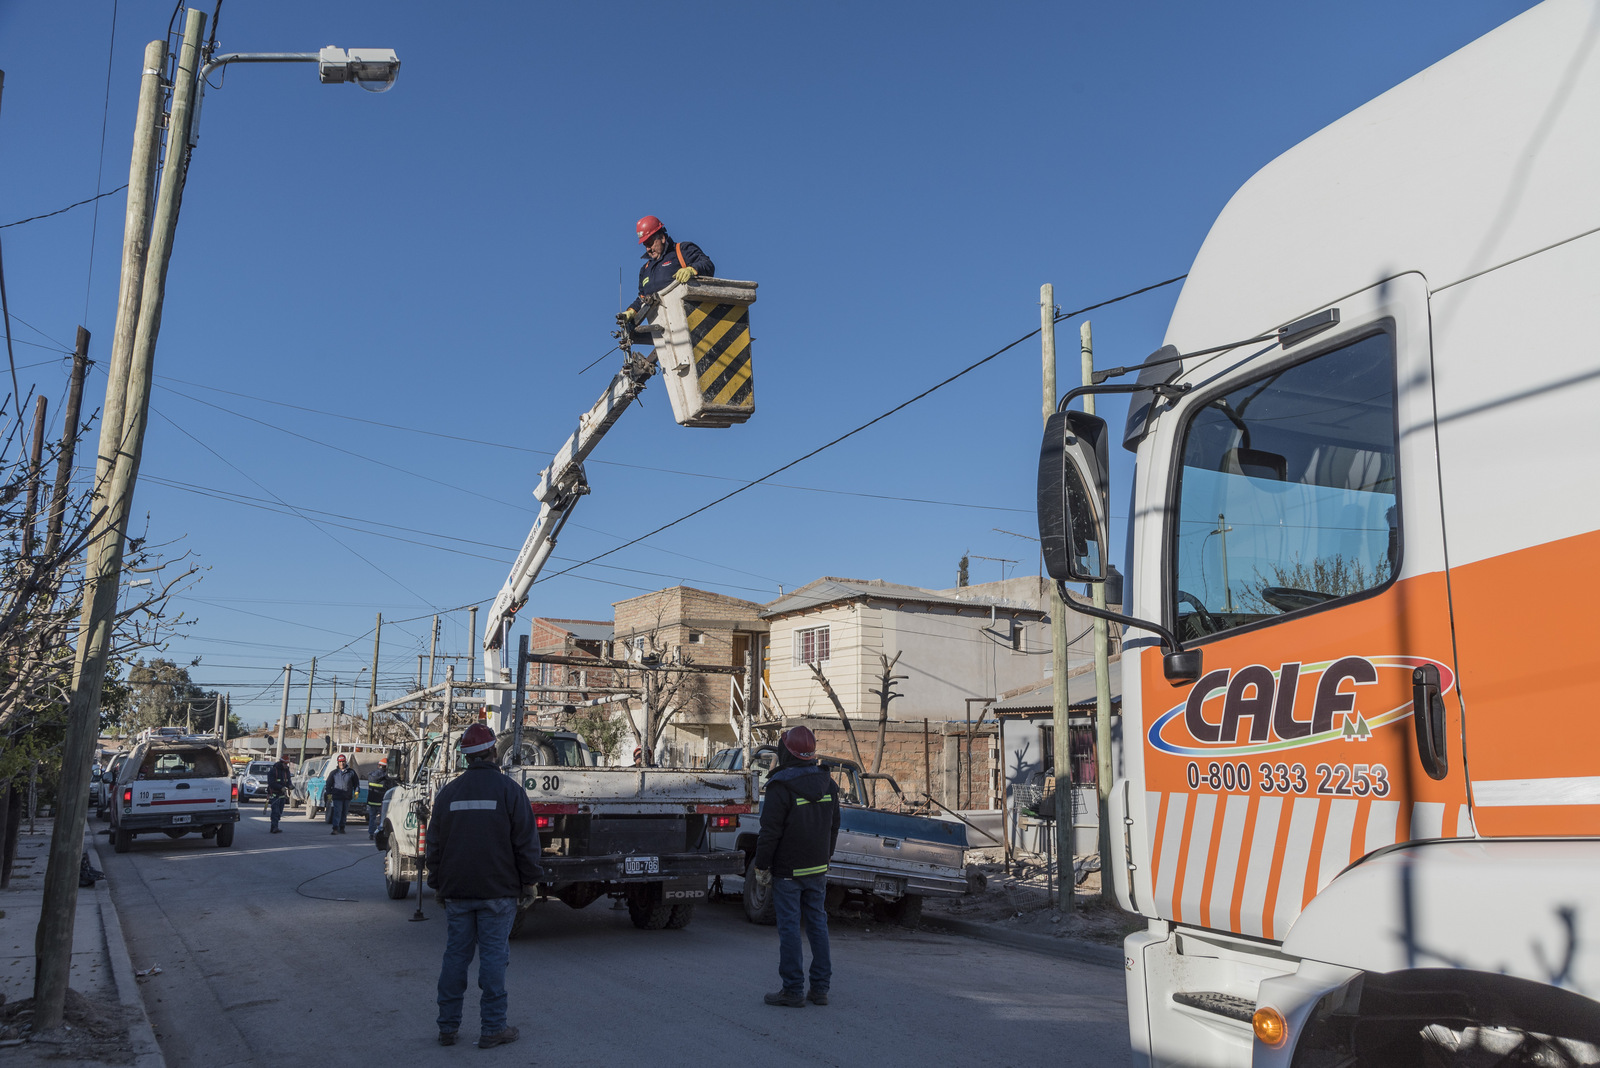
[[625, 318], [685, 274]]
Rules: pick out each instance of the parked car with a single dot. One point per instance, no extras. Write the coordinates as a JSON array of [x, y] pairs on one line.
[[253, 780], [106, 785], [174, 784], [309, 779]]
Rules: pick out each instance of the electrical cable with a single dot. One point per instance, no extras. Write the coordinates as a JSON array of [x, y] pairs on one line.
[[69, 207], [100, 167], [332, 871]]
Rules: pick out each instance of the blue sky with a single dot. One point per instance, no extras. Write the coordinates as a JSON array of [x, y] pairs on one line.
[[444, 258]]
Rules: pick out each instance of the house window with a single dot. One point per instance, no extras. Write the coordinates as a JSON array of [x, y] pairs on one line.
[[697, 637], [811, 646]]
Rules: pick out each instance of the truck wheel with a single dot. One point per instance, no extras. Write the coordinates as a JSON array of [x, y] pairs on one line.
[[121, 840], [758, 906], [907, 912], [397, 887], [225, 836], [681, 915]]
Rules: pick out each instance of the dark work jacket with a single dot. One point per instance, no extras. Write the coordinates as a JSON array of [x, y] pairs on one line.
[[799, 821], [342, 784], [656, 275], [481, 838], [377, 786], [278, 780]]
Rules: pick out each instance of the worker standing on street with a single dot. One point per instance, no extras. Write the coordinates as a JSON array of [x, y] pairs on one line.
[[665, 261], [483, 864], [799, 827], [340, 789], [377, 786], [278, 781]]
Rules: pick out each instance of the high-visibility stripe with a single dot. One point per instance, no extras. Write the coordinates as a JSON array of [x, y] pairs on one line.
[[818, 870], [459, 806]]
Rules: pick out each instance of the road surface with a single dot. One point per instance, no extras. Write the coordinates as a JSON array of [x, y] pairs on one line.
[[283, 949]]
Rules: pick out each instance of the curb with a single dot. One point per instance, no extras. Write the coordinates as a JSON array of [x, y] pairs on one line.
[[1071, 948], [146, 1051]]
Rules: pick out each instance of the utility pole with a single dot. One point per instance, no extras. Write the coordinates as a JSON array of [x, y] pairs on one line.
[[472, 644], [30, 507], [1060, 703], [372, 693], [121, 439], [433, 649], [305, 728], [283, 715], [69, 443], [1102, 673], [1227, 589], [419, 672]]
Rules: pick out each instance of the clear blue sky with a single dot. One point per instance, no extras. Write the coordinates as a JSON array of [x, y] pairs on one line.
[[899, 178]]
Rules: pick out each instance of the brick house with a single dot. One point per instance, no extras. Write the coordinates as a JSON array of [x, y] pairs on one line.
[[578, 638]]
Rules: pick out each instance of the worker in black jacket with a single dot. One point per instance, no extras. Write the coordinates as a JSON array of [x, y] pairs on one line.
[[377, 786], [483, 856], [799, 827], [279, 780], [665, 261]]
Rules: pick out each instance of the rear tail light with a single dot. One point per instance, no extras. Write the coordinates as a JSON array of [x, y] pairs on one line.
[[724, 823], [127, 795], [544, 823], [236, 791]]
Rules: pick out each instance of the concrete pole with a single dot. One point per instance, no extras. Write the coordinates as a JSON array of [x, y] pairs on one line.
[[104, 565], [521, 704], [433, 649], [1102, 670], [472, 644], [1060, 728], [283, 715], [305, 728], [372, 691]]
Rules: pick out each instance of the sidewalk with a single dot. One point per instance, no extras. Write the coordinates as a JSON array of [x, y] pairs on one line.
[[106, 1022]]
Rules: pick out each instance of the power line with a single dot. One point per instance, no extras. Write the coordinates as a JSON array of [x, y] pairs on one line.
[[100, 168], [69, 207]]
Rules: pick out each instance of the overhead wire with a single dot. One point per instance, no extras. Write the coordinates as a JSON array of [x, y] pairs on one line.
[[69, 207], [99, 174]]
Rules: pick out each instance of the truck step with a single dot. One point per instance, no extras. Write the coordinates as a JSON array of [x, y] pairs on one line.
[[1230, 1006]]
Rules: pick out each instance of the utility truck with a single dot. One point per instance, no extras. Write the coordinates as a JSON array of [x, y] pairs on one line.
[[638, 834], [1362, 816]]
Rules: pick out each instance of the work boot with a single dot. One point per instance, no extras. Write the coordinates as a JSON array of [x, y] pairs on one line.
[[333, 830], [791, 999], [817, 996], [447, 1038], [499, 1038]]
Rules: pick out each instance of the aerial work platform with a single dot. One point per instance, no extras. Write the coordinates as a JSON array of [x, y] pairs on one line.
[[701, 333]]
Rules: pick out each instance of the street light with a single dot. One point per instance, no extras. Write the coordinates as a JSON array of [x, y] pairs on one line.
[[374, 69]]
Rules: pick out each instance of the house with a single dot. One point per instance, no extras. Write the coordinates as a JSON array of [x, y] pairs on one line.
[[551, 686]]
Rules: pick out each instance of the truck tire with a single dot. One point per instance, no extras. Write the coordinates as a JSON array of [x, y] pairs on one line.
[[225, 836], [646, 908], [758, 905], [121, 840], [397, 888], [907, 912], [681, 915]]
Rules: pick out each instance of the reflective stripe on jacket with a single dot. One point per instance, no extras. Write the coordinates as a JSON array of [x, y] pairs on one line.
[[799, 821]]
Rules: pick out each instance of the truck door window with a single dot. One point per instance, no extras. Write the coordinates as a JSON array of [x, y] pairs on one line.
[[1287, 492], [764, 762]]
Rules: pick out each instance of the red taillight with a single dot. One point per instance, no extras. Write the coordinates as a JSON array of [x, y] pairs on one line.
[[127, 795], [236, 791], [724, 823], [544, 823]]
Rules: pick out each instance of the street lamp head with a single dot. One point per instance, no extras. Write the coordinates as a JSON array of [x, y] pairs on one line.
[[374, 69]]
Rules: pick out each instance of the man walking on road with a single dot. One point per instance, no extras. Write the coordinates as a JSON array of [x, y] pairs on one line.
[[278, 780], [340, 789], [483, 856], [799, 827]]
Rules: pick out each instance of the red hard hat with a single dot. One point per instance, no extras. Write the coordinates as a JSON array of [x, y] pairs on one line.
[[648, 227], [800, 742], [477, 738]]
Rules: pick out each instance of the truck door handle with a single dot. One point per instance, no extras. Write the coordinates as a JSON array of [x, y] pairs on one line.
[[183, 786], [1427, 712]]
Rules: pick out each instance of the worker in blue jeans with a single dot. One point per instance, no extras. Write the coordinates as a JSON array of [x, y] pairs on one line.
[[799, 828], [483, 865]]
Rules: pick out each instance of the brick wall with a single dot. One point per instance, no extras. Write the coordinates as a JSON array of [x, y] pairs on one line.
[[963, 777]]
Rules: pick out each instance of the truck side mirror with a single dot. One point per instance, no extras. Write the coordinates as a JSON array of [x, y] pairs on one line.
[[398, 764], [1073, 529]]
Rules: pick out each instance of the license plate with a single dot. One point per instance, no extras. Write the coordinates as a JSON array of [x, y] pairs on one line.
[[880, 885], [641, 865], [180, 819]]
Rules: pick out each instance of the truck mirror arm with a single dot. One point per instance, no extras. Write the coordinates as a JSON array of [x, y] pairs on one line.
[[1177, 663]]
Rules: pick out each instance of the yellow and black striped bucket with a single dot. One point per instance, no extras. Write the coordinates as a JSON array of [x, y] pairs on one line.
[[704, 351]]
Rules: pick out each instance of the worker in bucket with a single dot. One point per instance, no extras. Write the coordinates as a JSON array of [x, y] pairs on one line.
[[483, 864], [799, 828], [665, 261]]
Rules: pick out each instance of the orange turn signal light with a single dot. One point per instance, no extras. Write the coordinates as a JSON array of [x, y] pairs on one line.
[[1270, 1027]]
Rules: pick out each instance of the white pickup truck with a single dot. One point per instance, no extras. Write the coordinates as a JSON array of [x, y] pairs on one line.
[[175, 784], [638, 834]]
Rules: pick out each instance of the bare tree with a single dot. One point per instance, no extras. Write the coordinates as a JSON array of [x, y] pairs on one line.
[[670, 686], [885, 693], [838, 705]]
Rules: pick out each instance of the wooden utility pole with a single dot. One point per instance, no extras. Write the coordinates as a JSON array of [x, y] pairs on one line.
[[69, 444], [472, 643], [1102, 674], [121, 440], [305, 728], [283, 714], [1060, 703], [433, 649], [372, 691], [30, 506]]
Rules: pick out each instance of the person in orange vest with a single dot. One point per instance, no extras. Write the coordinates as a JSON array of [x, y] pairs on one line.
[[665, 261]]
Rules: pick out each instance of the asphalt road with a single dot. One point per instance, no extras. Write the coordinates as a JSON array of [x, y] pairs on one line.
[[284, 950]]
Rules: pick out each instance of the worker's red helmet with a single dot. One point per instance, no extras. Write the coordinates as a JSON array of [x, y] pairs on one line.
[[648, 227], [800, 742], [477, 738]]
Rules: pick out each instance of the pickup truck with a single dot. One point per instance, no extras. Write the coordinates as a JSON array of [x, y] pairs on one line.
[[642, 835], [174, 784], [889, 861]]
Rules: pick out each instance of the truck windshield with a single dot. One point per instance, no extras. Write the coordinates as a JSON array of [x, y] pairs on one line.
[[1287, 492]]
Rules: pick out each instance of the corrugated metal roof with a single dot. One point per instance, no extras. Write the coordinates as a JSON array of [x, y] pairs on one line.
[[589, 632], [830, 590], [1080, 694]]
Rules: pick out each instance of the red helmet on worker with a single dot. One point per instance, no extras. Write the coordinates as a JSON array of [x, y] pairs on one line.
[[800, 742], [476, 739], [648, 227]]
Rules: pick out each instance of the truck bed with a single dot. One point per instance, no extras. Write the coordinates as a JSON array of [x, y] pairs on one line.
[[640, 791]]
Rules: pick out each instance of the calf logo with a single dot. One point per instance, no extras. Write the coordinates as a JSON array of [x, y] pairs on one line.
[[1256, 709]]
